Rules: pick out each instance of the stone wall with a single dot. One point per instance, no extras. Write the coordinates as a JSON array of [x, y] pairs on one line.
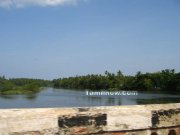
[[159, 119]]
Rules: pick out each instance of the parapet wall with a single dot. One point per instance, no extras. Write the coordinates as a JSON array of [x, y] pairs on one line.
[[159, 119]]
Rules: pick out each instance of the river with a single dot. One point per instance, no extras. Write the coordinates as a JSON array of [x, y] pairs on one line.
[[51, 97]]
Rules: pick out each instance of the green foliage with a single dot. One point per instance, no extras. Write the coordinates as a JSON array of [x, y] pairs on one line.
[[166, 80], [24, 81], [21, 85]]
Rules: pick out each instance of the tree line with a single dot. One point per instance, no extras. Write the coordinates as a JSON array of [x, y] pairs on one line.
[[167, 80], [21, 85]]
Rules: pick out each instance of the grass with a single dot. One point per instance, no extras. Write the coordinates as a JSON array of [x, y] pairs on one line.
[[26, 89]]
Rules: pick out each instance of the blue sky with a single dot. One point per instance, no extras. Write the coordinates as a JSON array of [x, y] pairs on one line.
[[79, 37]]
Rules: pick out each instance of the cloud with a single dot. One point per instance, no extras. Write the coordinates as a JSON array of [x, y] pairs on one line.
[[43, 3]]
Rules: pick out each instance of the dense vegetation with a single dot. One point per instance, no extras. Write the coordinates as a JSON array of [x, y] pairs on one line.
[[21, 85], [166, 80]]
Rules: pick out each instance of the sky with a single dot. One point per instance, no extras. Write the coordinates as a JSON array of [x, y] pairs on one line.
[[50, 39]]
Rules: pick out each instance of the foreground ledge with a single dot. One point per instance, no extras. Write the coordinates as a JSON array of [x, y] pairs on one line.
[[156, 119]]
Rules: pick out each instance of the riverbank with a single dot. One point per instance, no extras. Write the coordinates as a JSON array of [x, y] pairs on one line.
[[27, 89], [19, 86]]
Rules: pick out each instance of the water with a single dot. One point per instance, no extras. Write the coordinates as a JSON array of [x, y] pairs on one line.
[[51, 97]]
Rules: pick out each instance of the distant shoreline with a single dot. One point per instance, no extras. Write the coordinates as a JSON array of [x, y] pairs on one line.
[[166, 80]]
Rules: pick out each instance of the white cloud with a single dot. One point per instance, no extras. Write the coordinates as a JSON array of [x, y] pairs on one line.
[[24, 3]]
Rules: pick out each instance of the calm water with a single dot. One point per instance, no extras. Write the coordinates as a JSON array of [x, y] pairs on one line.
[[50, 97]]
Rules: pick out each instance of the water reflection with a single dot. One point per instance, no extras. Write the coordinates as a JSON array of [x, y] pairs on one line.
[[8, 97], [110, 101], [30, 96], [50, 97], [158, 100]]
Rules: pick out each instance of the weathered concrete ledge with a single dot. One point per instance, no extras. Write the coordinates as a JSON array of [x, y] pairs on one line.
[[159, 119]]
